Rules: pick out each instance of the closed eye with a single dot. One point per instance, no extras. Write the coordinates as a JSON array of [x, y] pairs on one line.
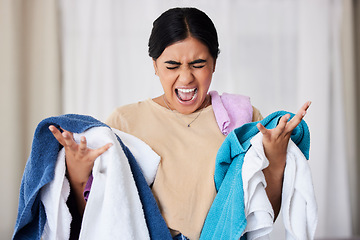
[[171, 68], [198, 63], [194, 66], [172, 64]]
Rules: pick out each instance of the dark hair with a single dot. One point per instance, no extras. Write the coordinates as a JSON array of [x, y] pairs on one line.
[[177, 24]]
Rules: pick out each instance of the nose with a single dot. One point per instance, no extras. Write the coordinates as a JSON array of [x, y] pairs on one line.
[[186, 76]]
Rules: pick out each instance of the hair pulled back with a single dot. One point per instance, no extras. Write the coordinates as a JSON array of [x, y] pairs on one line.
[[177, 24]]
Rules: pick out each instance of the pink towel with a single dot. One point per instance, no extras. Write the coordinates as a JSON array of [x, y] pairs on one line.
[[231, 110]]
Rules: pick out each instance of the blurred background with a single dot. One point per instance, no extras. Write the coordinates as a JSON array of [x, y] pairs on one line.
[[89, 56]]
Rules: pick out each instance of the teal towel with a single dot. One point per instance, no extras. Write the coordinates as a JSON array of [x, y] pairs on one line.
[[226, 218]]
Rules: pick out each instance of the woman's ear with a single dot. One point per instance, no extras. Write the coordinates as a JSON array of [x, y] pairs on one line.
[[155, 67], [214, 65]]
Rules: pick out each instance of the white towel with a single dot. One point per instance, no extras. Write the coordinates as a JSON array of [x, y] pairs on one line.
[[147, 159], [298, 205], [258, 210], [113, 210], [54, 196]]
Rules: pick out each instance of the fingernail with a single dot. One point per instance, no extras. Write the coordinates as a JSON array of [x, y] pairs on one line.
[[83, 139], [51, 128], [304, 113]]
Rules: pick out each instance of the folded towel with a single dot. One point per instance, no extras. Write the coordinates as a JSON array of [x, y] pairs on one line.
[[40, 168], [231, 110], [226, 218]]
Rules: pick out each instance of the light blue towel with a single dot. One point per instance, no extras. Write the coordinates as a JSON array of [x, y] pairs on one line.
[[40, 168], [226, 218]]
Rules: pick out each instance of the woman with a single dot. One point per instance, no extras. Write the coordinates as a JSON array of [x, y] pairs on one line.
[[180, 126]]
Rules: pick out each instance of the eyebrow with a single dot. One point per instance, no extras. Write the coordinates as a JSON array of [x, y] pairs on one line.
[[197, 61], [191, 63], [173, 62]]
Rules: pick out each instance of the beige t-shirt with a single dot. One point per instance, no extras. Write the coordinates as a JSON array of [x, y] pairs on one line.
[[184, 185]]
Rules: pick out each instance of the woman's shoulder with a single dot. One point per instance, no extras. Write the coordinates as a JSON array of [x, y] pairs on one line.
[[127, 112], [132, 107], [256, 114]]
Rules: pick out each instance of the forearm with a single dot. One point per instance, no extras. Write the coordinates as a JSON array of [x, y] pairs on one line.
[[77, 185], [78, 193], [274, 178]]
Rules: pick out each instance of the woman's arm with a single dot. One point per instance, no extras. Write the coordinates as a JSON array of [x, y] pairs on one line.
[[79, 162], [275, 143]]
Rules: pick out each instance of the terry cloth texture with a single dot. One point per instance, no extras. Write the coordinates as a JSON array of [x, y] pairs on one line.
[[231, 110], [298, 203], [258, 210], [146, 158], [39, 171], [226, 218]]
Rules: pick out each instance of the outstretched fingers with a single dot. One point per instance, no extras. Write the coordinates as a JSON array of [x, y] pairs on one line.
[[83, 144], [285, 127], [262, 129], [276, 132], [281, 127], [66, 139], [69, 140], [292, 124], [57, 134], [97, 152]]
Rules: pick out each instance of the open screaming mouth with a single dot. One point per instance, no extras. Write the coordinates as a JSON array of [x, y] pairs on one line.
[[186, 94]]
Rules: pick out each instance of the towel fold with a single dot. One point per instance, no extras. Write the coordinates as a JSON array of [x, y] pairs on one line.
[[54, 196], [258, 210], [146, 158], [299, 208]]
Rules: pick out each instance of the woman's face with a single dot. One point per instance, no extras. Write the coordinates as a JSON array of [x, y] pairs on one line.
[[185, 69]]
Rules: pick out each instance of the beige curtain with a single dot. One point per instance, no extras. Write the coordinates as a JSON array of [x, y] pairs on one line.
[[30, 89], [356, 71], [350, 43]]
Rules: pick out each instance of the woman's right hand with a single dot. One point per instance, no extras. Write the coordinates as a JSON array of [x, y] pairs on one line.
[[79, 160]]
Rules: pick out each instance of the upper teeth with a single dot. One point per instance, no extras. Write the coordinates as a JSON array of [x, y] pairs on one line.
[[186, 90]]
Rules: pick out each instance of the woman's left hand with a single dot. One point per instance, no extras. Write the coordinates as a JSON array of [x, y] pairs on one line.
[[276, 140]]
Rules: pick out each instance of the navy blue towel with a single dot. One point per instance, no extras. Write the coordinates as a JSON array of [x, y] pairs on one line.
[[39, 171]]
